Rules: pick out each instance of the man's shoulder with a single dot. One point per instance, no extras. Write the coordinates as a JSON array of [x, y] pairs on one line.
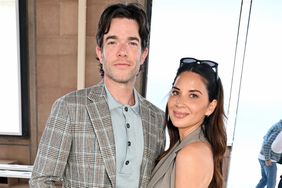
[[78, 93], [81, 95]]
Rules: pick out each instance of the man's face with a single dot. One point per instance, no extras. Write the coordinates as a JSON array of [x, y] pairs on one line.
[[121, 54]]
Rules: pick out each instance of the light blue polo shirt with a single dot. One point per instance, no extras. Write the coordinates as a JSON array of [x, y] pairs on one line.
[[129, 141]]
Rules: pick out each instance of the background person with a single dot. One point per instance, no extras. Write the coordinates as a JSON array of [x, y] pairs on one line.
[[276, 146], [107, 135], [267, 158], [195, 122]]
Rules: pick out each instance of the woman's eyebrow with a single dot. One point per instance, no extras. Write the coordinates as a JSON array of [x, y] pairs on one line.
[[176, 88], [195, 91]]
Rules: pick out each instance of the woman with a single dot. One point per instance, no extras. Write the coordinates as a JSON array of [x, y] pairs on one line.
[[195, 122]]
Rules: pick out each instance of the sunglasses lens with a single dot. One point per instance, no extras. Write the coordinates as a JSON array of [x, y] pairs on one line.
[[210, 63], [188, 60]]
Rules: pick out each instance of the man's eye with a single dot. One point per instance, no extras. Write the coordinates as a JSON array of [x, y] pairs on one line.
[[133, 43], [111, 42]]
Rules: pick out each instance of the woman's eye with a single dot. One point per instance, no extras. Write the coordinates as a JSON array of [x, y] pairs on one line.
[[174, 93], [193, 95]]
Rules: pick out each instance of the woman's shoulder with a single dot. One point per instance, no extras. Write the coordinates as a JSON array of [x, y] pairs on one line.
[[194, 165], [196, 151]]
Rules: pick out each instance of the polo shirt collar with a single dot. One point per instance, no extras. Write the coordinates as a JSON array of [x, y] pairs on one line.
[[113, 104]]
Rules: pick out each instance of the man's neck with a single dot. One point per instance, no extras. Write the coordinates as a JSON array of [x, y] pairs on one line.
[[121, 92]]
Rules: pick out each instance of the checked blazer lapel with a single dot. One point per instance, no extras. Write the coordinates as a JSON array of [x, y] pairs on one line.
[[101, 120], [149, 130], [146, 129]]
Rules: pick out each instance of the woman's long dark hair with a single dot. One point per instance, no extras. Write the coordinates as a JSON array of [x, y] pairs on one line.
[[213, 126]]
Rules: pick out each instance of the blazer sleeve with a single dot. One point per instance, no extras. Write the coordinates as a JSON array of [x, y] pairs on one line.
[[53, 149]]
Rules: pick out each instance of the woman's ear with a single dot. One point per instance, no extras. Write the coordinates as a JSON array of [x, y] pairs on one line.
[[211, 107]]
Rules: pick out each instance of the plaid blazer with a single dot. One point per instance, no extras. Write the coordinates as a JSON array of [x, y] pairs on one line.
[[77, 147]]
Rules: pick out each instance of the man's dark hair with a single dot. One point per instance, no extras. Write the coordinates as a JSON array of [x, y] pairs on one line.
[[132, 11]]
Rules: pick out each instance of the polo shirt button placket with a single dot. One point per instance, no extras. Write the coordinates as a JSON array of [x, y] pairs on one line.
[[128, 125]]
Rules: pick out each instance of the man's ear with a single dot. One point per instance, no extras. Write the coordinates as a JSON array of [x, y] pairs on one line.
[[144, 55], [211, 107], [99, 53]]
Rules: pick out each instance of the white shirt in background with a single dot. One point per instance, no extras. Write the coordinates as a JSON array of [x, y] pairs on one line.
[[276, 146]]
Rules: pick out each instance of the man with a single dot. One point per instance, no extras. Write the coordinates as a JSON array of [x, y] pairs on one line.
[[268, 158], [107, 135], [276, 146]]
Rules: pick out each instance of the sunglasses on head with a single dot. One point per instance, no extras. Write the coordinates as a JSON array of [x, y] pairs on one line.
[[190, 60]]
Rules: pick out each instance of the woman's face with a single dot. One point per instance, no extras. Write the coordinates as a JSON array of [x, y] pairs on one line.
[[188, 103]]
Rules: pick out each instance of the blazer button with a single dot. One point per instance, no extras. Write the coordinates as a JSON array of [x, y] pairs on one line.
[[126, 162]]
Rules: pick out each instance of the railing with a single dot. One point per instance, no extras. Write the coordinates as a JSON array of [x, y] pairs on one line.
[[15, 171]]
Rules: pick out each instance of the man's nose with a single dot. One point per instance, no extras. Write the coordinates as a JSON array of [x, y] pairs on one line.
[[122, 51]]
